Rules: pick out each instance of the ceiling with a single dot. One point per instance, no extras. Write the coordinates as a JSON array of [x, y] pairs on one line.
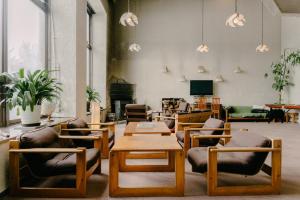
[[288, 6]]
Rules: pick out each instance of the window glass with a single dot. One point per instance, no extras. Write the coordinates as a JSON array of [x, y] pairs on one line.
[[26, 26]]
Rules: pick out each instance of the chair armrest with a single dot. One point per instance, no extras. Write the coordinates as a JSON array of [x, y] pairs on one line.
[[244, 149], [85, 129], [47, 150], [77, 137], [162, 117], [187, 124], [210, 136], [103, 124], [208, 129]]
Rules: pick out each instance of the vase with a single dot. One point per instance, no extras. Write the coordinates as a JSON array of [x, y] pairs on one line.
[[31, 118]]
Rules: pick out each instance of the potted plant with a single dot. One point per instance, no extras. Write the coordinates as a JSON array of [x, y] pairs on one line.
[[27, 92], [282, 70], [92, 96]]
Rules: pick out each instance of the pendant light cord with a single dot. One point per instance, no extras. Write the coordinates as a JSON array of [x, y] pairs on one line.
[[202, 21], [235, 6], [262, 22], [128, 5]]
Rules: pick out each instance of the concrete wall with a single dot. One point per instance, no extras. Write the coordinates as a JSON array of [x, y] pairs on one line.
[[291, 40], [69, 53], [169, 32]]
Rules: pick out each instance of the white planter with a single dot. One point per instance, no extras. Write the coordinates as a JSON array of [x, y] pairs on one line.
[[29, 118]]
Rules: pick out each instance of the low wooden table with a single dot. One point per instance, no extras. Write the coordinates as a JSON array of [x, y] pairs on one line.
[[155, 128], [158, 128], [117, 163]]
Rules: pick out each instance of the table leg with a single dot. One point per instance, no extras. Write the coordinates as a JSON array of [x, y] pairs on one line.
[[180, 168], [113, 173]]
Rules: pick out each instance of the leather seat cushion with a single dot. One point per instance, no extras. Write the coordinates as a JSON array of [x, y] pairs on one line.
[[170, 123], [79, 123], [202, 143], [245, 163], [65, 163]]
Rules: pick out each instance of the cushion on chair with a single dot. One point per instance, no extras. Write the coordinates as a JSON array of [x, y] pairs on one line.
[[65, 163], [210, 123], [51, 164], [170, 123], [42, 138], [79, 123], [245, 163]]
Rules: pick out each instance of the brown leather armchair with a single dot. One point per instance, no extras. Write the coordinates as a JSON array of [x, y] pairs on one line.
[[81, 128], [245, 154], [136, 113], [210, 127], [47, 155]]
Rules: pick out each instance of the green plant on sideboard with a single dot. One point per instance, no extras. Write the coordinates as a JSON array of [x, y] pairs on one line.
[[27, 92], [282, 70]]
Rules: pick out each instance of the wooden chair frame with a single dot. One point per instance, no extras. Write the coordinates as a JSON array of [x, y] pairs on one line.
[[81, 172], [110, 126], [187, 134], [275, 171]]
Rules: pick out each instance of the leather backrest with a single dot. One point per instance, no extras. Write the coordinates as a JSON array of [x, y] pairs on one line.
[[213, 123], [254, 160], [77, 123], [42, 138]]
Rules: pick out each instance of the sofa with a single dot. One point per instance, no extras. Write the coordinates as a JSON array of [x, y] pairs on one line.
[[246, 113]]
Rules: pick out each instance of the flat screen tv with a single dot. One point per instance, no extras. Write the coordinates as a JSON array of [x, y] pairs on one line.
[[201, 87]]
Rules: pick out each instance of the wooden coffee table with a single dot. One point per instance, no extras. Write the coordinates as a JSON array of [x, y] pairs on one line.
[[117, 163], [133, 128], [154, 128]]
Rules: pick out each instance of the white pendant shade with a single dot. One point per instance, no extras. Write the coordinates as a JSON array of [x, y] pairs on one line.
[[238, 70], [129, 19], [203, 48], [201, 69], [236, 19], [134, 47], [262, 48], [219, 78]]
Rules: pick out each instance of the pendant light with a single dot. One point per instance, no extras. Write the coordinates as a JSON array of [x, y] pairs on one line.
[[203, 48], [262, 47], [134, 47], [236, 19], [129, 18]]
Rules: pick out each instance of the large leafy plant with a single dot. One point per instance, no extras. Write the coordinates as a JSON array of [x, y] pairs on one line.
[[92, 95], [282, 70], [31, 89]]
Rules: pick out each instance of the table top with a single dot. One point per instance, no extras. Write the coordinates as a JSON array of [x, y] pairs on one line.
[[158, 127], [147, 143]]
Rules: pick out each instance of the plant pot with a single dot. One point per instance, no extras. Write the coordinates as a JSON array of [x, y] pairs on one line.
[[31, 118]]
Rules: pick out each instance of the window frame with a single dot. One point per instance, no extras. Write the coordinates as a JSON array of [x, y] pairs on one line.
[[44, 6], [90, 12]]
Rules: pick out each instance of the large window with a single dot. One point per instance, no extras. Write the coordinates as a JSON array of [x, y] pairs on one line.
[[89, 51], [26, 22]]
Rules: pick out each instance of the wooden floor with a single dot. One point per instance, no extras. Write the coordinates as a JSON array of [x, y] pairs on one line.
[[195, 185]]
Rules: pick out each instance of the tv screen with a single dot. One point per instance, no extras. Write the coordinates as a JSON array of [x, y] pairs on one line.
[[201, 87]]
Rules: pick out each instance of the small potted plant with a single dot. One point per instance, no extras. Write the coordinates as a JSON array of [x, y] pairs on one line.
[[27, 92], [92, 96]]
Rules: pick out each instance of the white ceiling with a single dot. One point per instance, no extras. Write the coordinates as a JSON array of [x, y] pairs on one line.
[[288, 6]]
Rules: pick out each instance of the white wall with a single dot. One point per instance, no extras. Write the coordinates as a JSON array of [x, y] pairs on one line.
[[169, 32], [291, 40]]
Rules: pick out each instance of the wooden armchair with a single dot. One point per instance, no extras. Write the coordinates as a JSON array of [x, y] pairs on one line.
[[80, 127], [210, 127], [245, 155], [47, 157]]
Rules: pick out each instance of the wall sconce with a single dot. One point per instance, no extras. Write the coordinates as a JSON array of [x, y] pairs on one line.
[[165, 69], [219, 79], [238, 70], [201, 69], [182, 79]]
